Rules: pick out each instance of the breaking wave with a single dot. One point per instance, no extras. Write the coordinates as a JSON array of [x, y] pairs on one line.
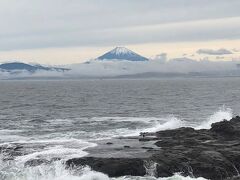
[[222, 114], [57, 171], [69, 148], [135, 125], [153, 124], [169, 123]]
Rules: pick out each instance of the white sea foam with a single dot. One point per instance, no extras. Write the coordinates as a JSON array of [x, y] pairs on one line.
[[125, 119], [64, 149], [57, 171], [60, 121], [8, 135], [54, 152], [93, 176], [175, 177], [179, 177], [55, 141], [222, 114], [170, 123]]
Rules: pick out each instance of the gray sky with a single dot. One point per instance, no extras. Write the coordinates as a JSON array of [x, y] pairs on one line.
[[40, 30]]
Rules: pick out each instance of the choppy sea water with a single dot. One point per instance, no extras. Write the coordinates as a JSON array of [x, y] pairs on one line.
[[61, 118]]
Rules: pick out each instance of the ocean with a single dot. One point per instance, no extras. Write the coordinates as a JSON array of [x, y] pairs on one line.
[[61, 118]]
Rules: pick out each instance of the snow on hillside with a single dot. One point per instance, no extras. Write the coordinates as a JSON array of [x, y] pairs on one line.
[[121, 53], [121, 50]]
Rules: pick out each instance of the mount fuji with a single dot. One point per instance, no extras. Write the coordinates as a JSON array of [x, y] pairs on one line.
[[121, 53]]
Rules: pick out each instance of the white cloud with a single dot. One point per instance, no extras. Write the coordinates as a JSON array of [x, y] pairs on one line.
[[221, 51], [18, 74], [160, 57], [236, 50], [178, 65], [117, 68]]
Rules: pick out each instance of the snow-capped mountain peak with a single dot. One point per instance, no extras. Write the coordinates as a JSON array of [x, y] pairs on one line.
[[122, 53], [121, 50]]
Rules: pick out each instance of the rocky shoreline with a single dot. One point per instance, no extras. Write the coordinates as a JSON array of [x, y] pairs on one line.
[[213, 154], [210, 153]]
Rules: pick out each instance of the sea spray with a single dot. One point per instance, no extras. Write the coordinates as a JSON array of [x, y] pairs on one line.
[[168, 123], [57, 171], [174, 177], [151, 168], [53, 171], [155, 124], [222, 114]]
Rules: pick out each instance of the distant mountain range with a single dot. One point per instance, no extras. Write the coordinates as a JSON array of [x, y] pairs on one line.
[[121, 53], [18, 66], [123, 63]]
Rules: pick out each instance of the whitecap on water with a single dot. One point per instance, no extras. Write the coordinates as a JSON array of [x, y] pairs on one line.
[[9, 135]]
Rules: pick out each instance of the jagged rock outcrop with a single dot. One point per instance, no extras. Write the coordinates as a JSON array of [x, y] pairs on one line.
[[212, 154], [114, 167]]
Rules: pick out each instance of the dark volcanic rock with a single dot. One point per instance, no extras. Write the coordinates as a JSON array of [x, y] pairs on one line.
[[227, 129], [213, 154], [11, 151], [114, 167]]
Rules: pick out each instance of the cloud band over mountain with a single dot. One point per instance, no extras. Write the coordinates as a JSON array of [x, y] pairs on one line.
[[221, 51]]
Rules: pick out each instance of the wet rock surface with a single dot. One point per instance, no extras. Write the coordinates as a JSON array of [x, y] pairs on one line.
[[212, 154], [114, 167]]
